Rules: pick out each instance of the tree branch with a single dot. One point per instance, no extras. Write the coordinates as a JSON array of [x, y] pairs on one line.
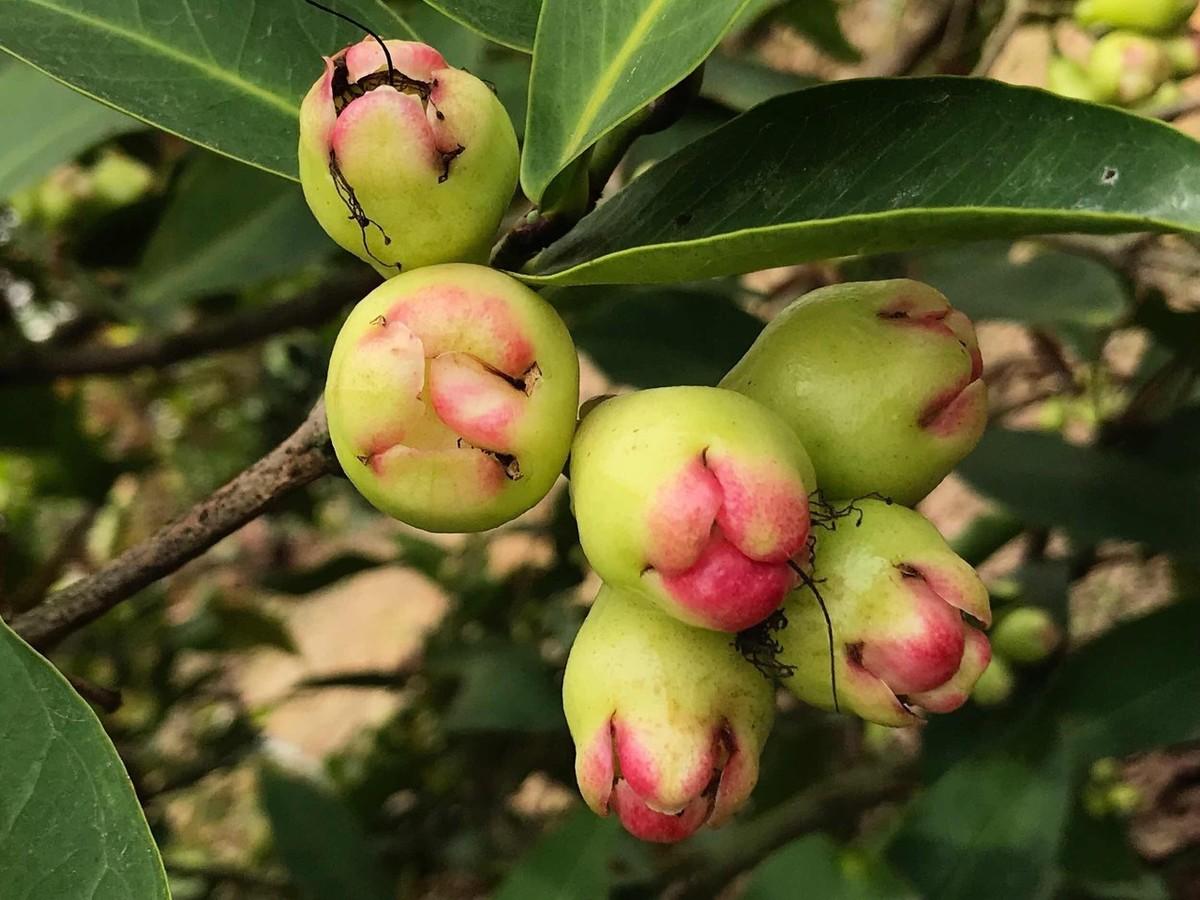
[[301, 459], [37, 363]]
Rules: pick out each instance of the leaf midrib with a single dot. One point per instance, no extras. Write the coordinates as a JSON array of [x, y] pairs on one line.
[[608, 78], [215, 72]]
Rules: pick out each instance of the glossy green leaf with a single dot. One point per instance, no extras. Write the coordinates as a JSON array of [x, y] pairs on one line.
[[228, 227], [991, 825], [741, 84], [658, 337], [46, 124], [595, 64], [989, 829], [226, 74], [572, 861], [1025, 283], [70, 824], [879, 165], [512, 23], [502, 687], [825, 870], [1132, 689], [1099, 861], [1093, 493], [320, 842]]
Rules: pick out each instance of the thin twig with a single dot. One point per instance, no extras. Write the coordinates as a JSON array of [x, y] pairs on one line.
[[301, 459], [37, 363], [34, 588], [908, 56], [1015, 12]]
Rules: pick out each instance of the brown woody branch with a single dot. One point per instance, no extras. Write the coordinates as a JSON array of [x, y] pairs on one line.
[[38, 363], [301, 459]]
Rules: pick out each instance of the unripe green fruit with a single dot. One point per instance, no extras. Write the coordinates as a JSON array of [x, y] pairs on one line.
[[996, 684], [1150, 16], [410, 167], [451, 397], [896, 594], [119, 180], [1027, 634], [1184, 54], [880, 380], [1126, 68], [1068, 79], [696, 499], [668, 720]]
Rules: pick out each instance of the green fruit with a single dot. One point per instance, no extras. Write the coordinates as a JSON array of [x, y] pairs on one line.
[[1184, 54], [896, 595], [1026, 634], [668, 720], [119, 180], [451, 397], [696, 499], [1126, 68], [879, 379], [1150, 16], [409, 167], [1068, 79], [996, 684]]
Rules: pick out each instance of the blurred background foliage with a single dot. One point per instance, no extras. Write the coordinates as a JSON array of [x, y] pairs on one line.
[[330, 705]]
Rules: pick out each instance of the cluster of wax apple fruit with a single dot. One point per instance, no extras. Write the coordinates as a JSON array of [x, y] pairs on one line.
[[452, 397], [1145, 46]]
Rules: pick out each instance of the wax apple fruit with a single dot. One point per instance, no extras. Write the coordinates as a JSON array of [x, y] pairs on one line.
[[694, 498], [451, 397], [1150, 16], [896, 596], [1026, 635], [881, 381], [1125, 68], [668, 720], [407, 166]]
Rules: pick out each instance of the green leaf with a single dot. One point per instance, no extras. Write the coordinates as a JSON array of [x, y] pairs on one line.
[[512, 23], [881, 165], [820, 865], [505, 687], [226, 74], [654, 338], [318, 839], [1093, 493], [1131, 689], [595, 64], [228, 227], [45, 124], [70, 824], [1025, 283], [573, 861], [1098, 859], [740, 84], [298, 582], [989, 828], [220, 625]]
